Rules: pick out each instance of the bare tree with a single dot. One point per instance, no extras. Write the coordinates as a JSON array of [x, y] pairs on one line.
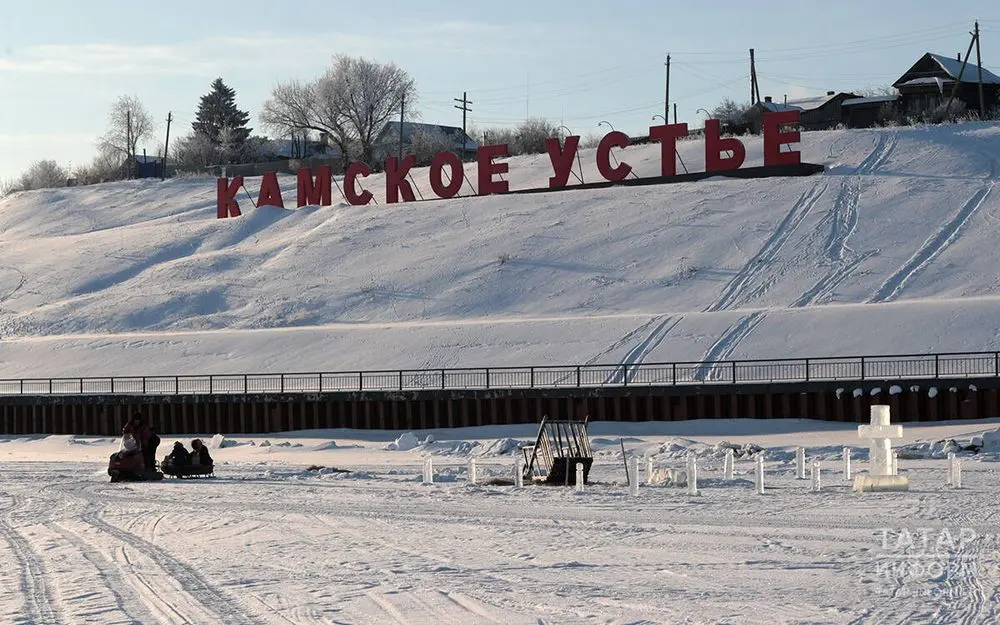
[[425, 145], [44, 174], [351, 102], [128, 123], [730, 112]]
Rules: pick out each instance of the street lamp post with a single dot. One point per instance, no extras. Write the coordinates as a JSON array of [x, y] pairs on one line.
[[661, 117], [568, 134]]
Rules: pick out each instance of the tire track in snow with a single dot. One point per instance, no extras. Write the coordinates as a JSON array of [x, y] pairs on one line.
[[191, 582], [39, 607], [931, 249]]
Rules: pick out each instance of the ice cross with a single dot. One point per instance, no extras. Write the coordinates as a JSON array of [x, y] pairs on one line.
[[880, 434]]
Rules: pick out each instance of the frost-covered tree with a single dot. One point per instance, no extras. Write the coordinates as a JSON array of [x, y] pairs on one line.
[[351, 102], [44, 174], [129, 123]]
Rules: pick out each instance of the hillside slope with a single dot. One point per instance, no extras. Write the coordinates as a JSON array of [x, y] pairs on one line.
[[892, 250]]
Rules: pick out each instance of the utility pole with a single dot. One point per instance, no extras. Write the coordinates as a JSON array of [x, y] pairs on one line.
[[958, 80], [166, 146], [675, 112], [979, 66], [402, 111], [128, 144], [754, 91], [666, 93], [465, 102]]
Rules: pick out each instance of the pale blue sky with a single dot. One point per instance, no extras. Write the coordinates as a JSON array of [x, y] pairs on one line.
[[63, 62]]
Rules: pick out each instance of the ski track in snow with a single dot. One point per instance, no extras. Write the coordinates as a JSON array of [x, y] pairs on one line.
[[931, 248]]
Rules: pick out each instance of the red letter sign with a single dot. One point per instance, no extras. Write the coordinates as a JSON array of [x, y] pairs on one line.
[[225, 197], [774, 138], [714, 146], [318, 192], [488, 169], [270, 192], [667, 136], [562, 160], [610, 140], [395, 179], [350, 181], [457, 174]]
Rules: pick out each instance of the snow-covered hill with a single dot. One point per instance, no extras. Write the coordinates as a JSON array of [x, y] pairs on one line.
[[892, 250]]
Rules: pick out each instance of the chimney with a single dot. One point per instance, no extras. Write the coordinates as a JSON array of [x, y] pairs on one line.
[[786, 98], [767, 98], [959, 57], [830, 92]]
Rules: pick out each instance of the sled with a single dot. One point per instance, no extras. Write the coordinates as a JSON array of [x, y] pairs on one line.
[[187, 470], [558, 448]]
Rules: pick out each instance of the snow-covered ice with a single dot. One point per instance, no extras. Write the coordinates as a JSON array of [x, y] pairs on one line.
[[283, 536]]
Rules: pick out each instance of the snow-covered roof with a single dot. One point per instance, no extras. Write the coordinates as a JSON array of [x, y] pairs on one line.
[[953, 67], [937, 69], [916, 82], [798, 104], [452, 134], [870, 100]]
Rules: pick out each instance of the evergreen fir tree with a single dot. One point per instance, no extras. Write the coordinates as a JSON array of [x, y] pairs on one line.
[[217, 111]]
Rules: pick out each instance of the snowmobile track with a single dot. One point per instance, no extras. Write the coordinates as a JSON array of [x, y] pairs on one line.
[[189, 579], [931, 248], [40, 609], [732, 296]]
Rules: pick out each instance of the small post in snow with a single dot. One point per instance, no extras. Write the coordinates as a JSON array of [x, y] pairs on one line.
[[579, 477], [847, 463], [633, 487], [729, 465], [518, 473], [649, 470], [800, 463], [759, 474], [428, 471], [692, 474], [816, 485], [954, 471], [472, 471]]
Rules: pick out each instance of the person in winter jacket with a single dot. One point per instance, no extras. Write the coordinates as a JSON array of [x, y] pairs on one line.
[[199, 454], [179, 456], [144, 436]]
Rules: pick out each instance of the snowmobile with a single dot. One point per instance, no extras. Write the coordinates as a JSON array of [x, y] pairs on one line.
[[128, 465]]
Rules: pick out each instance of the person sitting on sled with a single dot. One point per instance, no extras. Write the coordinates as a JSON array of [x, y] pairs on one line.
[[178, 456], [199, 453], [145, 438]]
